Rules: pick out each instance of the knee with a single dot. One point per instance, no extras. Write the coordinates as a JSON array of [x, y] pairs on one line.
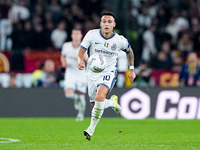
[[100, 97], [72, 96]]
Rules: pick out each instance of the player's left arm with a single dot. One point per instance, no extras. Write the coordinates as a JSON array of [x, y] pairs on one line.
[[130, 58]]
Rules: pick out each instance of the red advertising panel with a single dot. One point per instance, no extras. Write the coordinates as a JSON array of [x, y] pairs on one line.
[[165, 78], [4, 62], [33, 59]]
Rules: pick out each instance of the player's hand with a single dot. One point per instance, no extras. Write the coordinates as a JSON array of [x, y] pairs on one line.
[[131, 75], [81, 65]]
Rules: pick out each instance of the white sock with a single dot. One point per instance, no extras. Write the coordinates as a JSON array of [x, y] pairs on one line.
[[97, 112], [109, 103], [82, 105], [74, 97]]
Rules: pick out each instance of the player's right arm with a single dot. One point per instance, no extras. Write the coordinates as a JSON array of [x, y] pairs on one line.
[[63, 55], [63, 61], [80, 58], [86, 42]]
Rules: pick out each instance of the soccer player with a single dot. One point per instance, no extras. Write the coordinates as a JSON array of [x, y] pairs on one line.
[[105, 42], [75, 80]]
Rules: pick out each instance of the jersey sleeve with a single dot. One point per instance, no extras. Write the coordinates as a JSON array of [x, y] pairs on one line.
[[85, 44], [63, 51], [124, 43]]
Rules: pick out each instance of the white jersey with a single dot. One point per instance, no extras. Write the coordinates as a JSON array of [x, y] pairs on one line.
[[74, 78], [95, 43], [70, 52]]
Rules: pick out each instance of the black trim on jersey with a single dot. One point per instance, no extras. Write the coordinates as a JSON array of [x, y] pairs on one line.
[[109, 37]]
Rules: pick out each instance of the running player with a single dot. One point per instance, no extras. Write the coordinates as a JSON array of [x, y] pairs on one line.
[[75, 81], [106, 42]]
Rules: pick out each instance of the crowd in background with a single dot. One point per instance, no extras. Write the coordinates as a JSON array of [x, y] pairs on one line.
[[169, 30], [161, 32], [45, 24]]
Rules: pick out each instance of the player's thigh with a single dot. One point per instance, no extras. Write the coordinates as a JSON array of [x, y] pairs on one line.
[[92, 89], [69, 83], [108, 80], [102, 91], [81, 86]]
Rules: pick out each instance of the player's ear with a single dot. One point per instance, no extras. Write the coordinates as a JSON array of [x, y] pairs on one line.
[[114, 24]]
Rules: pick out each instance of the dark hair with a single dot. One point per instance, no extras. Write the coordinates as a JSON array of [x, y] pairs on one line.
[[76, 28], [108, 13]]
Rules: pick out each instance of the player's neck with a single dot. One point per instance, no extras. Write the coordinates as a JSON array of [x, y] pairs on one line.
[[107, 35], [76, 44]]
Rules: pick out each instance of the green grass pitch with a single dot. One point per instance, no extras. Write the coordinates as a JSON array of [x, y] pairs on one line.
[[110, 134]]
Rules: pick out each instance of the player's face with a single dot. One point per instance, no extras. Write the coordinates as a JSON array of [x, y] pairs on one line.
[[107, 24], [76, 35]]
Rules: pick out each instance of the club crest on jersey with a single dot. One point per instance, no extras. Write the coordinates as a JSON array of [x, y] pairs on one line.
[[114, 47]]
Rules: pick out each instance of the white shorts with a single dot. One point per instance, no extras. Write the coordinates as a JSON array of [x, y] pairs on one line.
[[78, 84], [107, 79]]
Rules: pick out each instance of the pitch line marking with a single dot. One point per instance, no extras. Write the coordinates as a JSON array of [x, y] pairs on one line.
[[8, 140]]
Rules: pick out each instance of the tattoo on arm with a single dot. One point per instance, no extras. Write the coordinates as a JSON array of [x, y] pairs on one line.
[[130, 56]]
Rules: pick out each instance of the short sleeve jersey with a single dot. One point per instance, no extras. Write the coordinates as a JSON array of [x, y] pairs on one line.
[[95, 43], [70, 52]]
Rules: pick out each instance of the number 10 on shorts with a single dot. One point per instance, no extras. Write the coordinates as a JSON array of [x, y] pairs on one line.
[[107, 77]]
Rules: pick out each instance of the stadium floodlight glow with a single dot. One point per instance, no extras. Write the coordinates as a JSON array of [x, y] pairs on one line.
[[187, 108], [135, 104], [173, 96]]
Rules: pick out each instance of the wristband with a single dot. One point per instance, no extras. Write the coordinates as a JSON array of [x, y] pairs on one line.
[[131, 67]]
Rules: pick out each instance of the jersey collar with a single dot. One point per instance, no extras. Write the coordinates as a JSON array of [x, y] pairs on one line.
[[77, 46], [106, 38]]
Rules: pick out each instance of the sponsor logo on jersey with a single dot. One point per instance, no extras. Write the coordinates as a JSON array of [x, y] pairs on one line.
[[114, 47], [104, 52]]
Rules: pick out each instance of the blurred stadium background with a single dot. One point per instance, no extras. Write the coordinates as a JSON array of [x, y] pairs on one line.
[[159, 112], [161, 32]]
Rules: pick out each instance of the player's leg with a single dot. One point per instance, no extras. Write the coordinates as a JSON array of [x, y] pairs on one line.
[[81, 106], [97, 110], [113, 101], [97, 99], [92, 89], [69, 89], [99, 106], [70, 94], [81, 88]]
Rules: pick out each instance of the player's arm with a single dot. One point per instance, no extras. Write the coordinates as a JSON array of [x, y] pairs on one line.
[[85, 59], [130, 58], [80, 58], [63, 61]]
